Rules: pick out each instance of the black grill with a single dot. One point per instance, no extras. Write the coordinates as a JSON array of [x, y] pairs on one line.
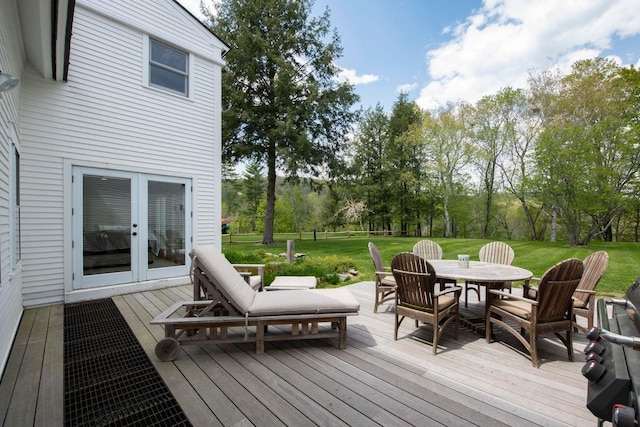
[[613, 360], [108, 378]]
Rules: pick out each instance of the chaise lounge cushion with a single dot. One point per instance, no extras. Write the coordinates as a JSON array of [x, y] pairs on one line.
[[225, 277], [247, 301], [304, 302]]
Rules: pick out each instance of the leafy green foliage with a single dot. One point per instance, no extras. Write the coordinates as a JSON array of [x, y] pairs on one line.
[[624, 257], [325, 269], [282, 103]]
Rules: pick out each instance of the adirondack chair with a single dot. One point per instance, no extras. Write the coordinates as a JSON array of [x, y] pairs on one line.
[[550, 312], [417, 299], [496, 252], [584, 297], [385, 282]]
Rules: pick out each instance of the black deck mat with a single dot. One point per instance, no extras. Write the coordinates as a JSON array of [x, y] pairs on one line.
[[108, 378]]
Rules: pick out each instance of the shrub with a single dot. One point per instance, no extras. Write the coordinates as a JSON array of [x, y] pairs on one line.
[[325, 269]]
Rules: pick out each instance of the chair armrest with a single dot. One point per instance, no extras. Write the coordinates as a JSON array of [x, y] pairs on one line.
[[448, 291], [530, 290], [412, 273], [512, 296], [248, 267], [256, 266], [384, 273], [586, 291], [245, 270]]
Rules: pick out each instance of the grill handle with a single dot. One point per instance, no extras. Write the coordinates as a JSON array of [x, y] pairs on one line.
[[603, 320]]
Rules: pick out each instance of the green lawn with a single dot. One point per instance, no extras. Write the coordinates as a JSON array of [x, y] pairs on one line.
[[623, 269]]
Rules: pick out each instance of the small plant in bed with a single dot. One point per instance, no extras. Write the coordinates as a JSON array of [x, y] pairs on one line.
[[329, 270]]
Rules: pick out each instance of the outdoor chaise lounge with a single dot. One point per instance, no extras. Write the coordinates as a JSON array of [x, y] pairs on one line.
[[233, 303]]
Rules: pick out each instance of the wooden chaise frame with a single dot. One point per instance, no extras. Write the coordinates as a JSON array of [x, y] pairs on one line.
[[210, 322]]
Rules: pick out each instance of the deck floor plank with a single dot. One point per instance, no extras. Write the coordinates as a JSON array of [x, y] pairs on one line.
[[50, 402], [13, 367], [25, 395], [374, 381], [183, 390]]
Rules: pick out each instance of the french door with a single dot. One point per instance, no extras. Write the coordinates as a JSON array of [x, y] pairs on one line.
[[128, 227]]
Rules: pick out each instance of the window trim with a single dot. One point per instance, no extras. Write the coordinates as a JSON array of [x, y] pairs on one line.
[[146, 68]]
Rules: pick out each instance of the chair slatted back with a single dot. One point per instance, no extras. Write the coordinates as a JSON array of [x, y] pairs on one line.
[[416, 280], [497, 252], [594, 268], [375, 257], [427, 249], [556, 289]]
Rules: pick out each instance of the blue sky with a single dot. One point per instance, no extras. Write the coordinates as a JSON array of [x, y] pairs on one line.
[[441, 51]]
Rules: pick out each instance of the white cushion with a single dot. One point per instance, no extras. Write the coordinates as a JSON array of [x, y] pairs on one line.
[[255, 282], [224, 276], [293, 282], [304, 302]]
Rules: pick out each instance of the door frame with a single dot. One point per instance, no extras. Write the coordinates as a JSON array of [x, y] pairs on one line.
[[139, 271]]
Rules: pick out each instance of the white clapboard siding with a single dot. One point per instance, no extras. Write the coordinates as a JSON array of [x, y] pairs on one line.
[[11, 54], [179, 29], [103, 116]]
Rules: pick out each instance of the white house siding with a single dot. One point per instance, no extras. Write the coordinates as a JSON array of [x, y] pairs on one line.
[[104, 117], [11, 55]]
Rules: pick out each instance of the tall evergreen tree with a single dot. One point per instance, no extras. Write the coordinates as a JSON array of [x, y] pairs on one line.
[[371, 174], [254, 189], [405, 160], [282, 102]]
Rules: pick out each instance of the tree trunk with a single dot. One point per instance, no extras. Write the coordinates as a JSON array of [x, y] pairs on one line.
[[554, 223], [269, 213]]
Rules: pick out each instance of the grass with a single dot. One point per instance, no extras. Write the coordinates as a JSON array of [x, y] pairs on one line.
[[623, 268]]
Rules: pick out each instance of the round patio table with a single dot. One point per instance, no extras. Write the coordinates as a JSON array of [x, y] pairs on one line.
[[481, 272], [487, 274]]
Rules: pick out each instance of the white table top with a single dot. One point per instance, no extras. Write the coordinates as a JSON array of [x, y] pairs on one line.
[[479, 271]]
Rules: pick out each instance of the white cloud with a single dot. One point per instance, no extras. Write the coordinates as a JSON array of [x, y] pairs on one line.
[[503, 41], [351, 76], [193, 6], [406, 87]]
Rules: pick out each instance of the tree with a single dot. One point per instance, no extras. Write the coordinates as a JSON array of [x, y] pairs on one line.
[[496, 118], [254, 188], [447, 143], [230, 191], [589, 149], [282, 103], [371, 177], [404, 160]]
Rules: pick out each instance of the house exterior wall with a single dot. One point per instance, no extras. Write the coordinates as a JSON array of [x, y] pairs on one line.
[[104, 116], [11, 60]]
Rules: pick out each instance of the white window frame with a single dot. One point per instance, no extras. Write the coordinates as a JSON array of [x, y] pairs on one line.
[[146, 68]]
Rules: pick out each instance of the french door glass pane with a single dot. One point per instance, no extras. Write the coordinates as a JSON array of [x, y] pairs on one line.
[[106, 224], [166, 224]]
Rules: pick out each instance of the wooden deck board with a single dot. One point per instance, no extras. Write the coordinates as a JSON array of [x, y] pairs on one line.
[[50, 401], [25, 394], [374, 381]]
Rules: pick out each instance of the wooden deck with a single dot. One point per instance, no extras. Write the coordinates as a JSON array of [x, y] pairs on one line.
[[376, 380]]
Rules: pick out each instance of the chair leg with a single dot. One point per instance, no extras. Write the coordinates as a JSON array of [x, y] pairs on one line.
[[376, 303], [533, 342], [466, 293], [436, 335], [395, 332], [457, 325], [569, 345]]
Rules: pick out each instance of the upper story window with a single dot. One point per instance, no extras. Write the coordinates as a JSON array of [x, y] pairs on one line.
[[168, 68]]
